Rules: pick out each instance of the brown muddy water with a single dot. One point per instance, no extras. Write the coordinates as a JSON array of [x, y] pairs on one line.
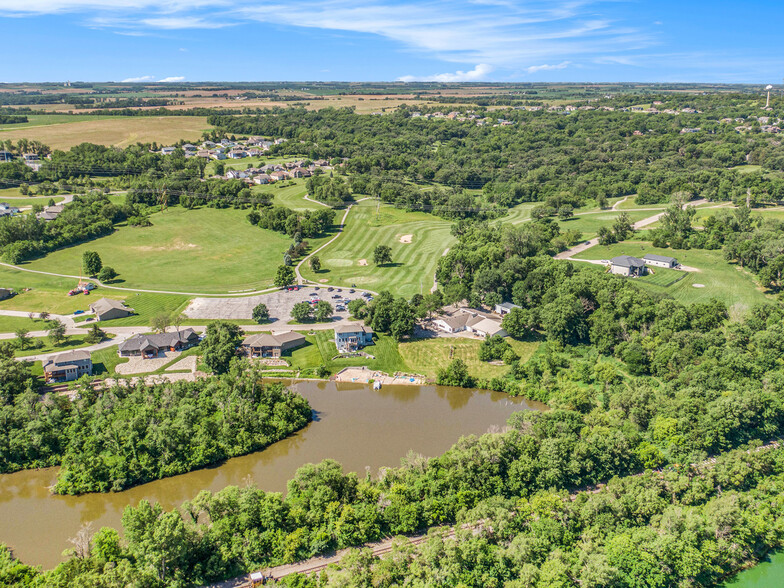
[[354, 424]]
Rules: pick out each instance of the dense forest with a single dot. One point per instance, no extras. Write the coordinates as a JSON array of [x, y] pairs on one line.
[[108, 440]]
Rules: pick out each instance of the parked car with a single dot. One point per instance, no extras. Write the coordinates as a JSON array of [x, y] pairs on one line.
[[339, 290], [336, 297], [312, 294], [78, 312], [351, 291], [330, 289]]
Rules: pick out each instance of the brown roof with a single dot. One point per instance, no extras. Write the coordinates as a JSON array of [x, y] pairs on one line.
[[273, 340]]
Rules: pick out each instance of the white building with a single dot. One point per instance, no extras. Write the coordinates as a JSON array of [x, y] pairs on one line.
[[660, 260]]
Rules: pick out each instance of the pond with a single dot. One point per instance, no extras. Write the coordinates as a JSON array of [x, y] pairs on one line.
[[353, 424]]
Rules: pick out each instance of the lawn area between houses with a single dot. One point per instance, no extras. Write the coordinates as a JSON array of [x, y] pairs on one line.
[[205, 250], [413, 264], [9, 324], [727, 282], [427, 356], [114, 130], [71, 343]]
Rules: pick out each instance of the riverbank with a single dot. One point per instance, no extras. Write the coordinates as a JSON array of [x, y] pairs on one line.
[[362, 428]]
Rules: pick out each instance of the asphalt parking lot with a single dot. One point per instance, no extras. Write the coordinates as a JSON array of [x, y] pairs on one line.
[[279, 304]]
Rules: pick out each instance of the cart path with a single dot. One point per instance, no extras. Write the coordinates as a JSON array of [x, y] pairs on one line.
[[570, 253]]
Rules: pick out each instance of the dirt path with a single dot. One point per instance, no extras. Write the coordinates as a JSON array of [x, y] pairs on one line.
[[309, 199], [617, 204]]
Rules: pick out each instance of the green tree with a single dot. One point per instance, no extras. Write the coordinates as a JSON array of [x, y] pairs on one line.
[[315, 263], [107, 274], [382, 254], [219, 346], [56, 332], [284, 276], [260, 313], [565, 212], [323, 311], [95, 335], [160, 322], [91, 262], [357, 308], [301, 312], [23, 338], [455, 374]]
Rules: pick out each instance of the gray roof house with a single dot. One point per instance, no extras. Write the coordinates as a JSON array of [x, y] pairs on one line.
[[68, 366], [106, 309], [148, 346], [350, 338], [274, 345], [505, 308], [627, 265], [660, 260]]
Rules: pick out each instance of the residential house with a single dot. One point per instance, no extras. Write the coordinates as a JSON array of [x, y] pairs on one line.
[[660, 260], [235, 174], [208, 145], [68, 366], [219, 155], [274, 345], [300, 172], [349, 338], [626, 265], [6, 155], [188, 147], [167, 150], [106, 309], [279, 175], [237, 154], [149, 346], [50, 213], [262, 179], [453, 324], [505, 308], [486, 327]]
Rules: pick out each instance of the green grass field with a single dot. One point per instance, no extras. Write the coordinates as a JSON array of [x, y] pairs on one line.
[[292, 197], [427, 356], [588, 224], [413, 264], [9, 324], [72, 342], [39, 120], [204, 250], [727, 282]]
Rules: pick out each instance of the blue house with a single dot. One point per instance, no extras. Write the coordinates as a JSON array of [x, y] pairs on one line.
[[350, 338]]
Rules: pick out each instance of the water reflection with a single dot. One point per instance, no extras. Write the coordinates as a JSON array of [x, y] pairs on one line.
[[360, 427]]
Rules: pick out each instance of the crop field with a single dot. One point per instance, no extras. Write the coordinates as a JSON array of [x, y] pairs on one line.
[[349, 260], [115, 130], [40, 120], [715, 279], [204, 250], [427, 356]]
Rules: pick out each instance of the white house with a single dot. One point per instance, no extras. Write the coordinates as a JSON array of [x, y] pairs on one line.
[[486, 327], [660, 260], [627, 265]]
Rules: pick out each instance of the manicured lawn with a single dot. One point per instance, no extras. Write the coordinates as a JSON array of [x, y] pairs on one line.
[[9, 324], [292, 196], [427, 356], [73, 342], [105, 360], [113, 130], [727, 282], [15, 198], [320, 349], [205, 250], [519, 214], [413, 264], [47, 293], [146, 305], [588, 224]]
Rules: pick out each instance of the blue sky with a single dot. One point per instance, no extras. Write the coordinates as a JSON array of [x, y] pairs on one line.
[[385, 40]]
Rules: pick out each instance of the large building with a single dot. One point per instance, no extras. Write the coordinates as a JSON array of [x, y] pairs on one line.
[[149, 346], [473, 321], [274, 345], [68, 366], [349, 338], [627, 265], [106, 309], [660, 260]]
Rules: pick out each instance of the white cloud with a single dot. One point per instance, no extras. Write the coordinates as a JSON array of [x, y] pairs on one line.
[[479, 73], [171, 79], [547, 67], [139, 79]]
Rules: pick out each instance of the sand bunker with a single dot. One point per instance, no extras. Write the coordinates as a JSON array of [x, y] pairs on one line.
[[324, 281], [362, 262], [698, 285], [406, 238]]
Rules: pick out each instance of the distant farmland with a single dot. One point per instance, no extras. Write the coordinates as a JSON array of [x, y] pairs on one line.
[[120, 131]]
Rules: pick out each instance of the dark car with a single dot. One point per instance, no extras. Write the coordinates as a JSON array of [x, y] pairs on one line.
[[336, 297], [351, 291], [330, 289]]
